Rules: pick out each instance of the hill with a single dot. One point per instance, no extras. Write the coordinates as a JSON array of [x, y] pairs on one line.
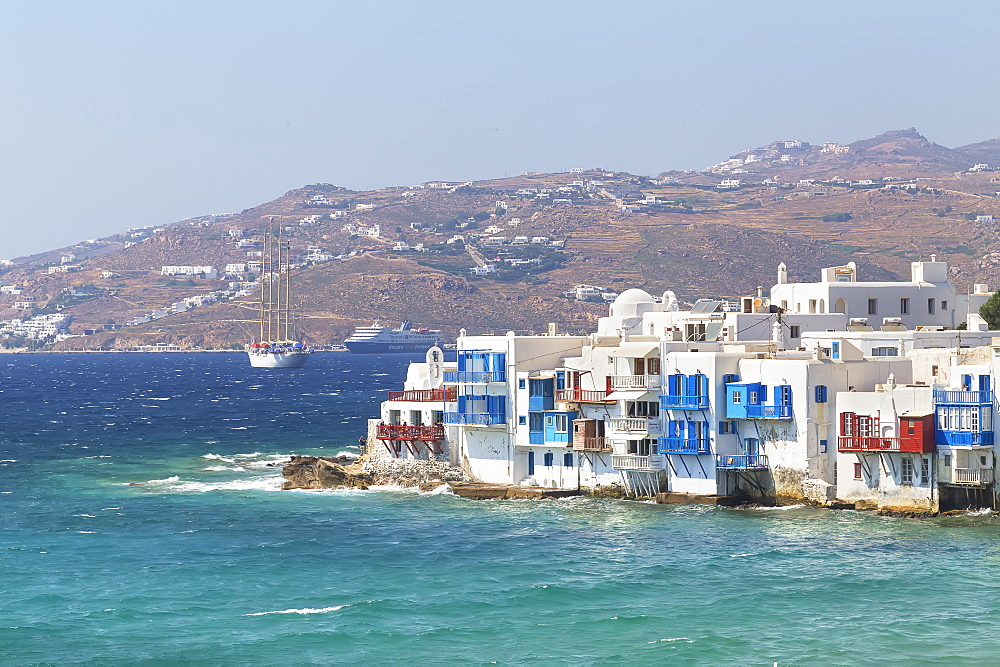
[[407, 252]]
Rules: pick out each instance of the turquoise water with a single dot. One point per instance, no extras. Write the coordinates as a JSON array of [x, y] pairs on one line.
[[205, 560]]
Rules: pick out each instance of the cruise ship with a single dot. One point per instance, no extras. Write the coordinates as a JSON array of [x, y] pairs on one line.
[[377, 339]]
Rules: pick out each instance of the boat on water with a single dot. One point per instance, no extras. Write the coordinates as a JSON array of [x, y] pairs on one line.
[[276, 345], [378, 339]]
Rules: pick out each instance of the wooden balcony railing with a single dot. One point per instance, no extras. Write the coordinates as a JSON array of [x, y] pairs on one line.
[[592, 445], [972, 475], [448, 395], [583, 395]]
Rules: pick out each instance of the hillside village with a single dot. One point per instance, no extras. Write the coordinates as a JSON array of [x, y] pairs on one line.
[[519, 252]]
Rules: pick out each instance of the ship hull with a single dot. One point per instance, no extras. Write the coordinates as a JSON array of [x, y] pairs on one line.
[[283, 360], [366, 347]]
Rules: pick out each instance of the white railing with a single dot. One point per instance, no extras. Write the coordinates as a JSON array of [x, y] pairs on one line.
[[635, 381], [635, 462], [972, 475], [635, 424]]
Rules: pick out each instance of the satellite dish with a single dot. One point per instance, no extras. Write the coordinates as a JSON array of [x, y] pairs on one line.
[[758, 302]]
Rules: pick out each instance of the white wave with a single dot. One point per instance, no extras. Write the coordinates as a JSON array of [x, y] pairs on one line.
[[256, 484], [89, 516], [239, 428], [218, 457], [347, 454], [305, 610], [110, 508], [8, 460], [248, 456], [443, 490], [167, 480], [781, 508], [156, 399], [741, 555], [221, 469], [99, 456], [986, 511], [85, 532], [394, 488], [672, 639]]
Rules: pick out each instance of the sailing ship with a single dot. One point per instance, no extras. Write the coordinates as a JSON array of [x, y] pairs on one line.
[[275, 345]]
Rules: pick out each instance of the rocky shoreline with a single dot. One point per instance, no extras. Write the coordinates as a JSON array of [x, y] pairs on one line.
[[341, 472]]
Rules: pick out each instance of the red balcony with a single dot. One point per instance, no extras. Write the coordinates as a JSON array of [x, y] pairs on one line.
[[404, 432], [449, 395], [583, 396]]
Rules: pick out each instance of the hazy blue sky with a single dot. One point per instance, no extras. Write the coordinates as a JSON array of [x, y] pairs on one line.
[[121, 114]]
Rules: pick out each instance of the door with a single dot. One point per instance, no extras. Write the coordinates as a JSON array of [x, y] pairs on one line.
[[531, 463]]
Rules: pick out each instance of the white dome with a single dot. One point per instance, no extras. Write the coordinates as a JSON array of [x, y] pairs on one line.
[[631, 302]]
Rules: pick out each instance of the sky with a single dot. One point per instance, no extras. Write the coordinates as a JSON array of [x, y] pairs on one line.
[[124, 114]]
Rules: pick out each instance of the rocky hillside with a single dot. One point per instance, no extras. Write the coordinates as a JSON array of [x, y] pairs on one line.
[[408, 252]]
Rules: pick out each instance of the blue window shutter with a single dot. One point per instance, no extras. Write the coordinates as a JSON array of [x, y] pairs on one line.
[[704, 385], [568, 459], [984, 383], [723, 427], [548, 459]]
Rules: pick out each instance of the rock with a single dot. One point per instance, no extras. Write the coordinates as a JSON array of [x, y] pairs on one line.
[[321, 472]]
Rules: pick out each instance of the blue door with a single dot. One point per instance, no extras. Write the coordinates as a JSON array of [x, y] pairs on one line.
[[531, 463]]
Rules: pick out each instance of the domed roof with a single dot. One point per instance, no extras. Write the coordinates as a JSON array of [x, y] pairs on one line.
[[633, 296]]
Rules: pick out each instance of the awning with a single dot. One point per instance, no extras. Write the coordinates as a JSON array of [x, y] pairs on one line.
[[628, 394], [635, 350]]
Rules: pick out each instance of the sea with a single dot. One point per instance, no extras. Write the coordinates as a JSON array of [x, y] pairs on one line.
[[143, 522]]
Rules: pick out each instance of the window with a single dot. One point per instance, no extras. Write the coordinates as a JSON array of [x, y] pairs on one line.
[[821, 393], [823, 446], [783, 394], [723, 427], [730, 377], [521, 384], [535, 421], [904, 306], [884, 352], [548, 420], [522, 420], [835, 349], [562, 424], [944, 305], [925, 471], [911, 427], [857, 471], [642, 447], [737, 397], [947, 460], [906, 472], [930, 306], [873, 306], [568, 459], [934, 369], [652, 367], [752, 397], [547, 459], [795, 331]]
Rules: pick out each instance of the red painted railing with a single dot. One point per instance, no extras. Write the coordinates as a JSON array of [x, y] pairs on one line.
[[404, 432]]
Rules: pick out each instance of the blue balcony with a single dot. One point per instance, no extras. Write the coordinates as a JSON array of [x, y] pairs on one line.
[[682, 446], [670, 401], [536, 437], [769, 412], [961, 397], [741, 461], [965, 438], [475, 418], [474, 377]]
